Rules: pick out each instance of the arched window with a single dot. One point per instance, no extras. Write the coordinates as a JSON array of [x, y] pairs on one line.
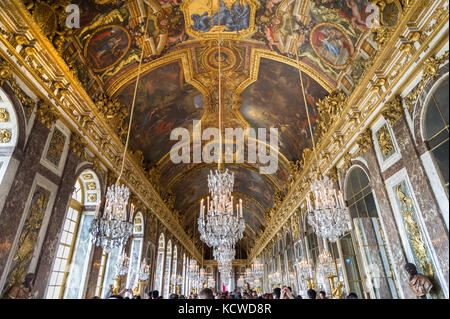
[[8, 133], [167, 270], [136, 250], [70, 267], [436, 131], [370, 241], [160, 263]]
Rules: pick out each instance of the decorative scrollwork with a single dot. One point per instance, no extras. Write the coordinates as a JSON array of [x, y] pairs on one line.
[[46, 114], [430, 72], [5, 136], [393, 110]]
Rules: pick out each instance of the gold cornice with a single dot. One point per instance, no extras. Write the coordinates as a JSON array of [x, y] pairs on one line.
[[297, 193], [76, 93]]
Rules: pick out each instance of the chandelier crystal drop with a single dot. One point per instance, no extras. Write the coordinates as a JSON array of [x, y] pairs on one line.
[[327, 212], [218, 224], [114, 227]]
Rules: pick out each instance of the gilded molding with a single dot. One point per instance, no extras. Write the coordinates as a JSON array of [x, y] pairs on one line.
[[5, 136], [46, 114], [430, 72], [393, 110], [4, 115], [77, 144]]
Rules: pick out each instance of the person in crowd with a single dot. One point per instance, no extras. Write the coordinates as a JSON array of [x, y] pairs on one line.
[[206, 293], [173, 296], [276, 293], [298, 297], [311, 294], [286, 293], [254, 294], [23, 290], [322, 295], [352, 295], [155, 294]]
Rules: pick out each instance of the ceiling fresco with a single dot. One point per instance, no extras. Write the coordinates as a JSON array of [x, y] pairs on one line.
[[164, 101], [276, 101], [261, 41]]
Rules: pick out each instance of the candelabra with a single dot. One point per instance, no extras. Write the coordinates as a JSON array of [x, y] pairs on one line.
[[121, 269], [327, 268], [142, 276], [114, 227], [305, 272], [328, 216]]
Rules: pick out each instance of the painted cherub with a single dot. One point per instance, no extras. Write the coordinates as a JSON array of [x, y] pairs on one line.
[[268, 32], [271, 3]]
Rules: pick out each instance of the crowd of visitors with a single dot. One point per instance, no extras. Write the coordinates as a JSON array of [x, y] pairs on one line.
[[207, 293]]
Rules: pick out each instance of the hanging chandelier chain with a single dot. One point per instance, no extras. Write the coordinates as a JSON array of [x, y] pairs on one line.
[[303, 93], [134, 101]]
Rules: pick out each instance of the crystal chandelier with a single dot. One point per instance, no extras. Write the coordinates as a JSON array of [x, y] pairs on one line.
[[225, 268], [211, 282], [325, 264], [240, 282], [328, 214], [276, 277], [258, 268], [248, 274], [193, 269], [304, 269], [224, 253], [114, 226], [202, 275], [218, 224]]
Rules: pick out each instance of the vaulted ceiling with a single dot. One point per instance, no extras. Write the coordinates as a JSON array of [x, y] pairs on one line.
[[261, 42]]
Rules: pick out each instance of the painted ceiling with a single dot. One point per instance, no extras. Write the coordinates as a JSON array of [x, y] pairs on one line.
[[264, 45]]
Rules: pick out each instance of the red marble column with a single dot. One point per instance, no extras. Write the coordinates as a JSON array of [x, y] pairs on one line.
[[397, 252], [426, 200]]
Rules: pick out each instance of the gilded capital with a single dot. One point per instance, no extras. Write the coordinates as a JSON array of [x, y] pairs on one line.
[[77, 144], [46, 114], [365, 141], [393, 110]]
